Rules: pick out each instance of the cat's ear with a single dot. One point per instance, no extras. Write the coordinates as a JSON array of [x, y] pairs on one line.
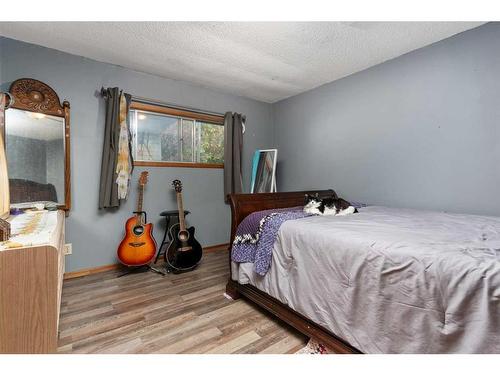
[[317, 195]]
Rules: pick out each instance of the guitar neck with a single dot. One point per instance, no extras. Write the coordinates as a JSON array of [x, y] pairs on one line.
[[139, 204], [180, 207]]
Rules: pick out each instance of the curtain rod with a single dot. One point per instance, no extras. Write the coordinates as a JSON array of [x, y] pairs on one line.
[[104, 94]]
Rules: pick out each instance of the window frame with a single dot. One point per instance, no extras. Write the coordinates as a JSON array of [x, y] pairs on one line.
[[177, 112]]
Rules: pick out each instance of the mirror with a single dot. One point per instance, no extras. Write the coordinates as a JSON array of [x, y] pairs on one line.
[[36, 134], [35, 156], [4, 178], [264, 171]]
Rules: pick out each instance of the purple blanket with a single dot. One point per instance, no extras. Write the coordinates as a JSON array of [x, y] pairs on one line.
[[256, 234]]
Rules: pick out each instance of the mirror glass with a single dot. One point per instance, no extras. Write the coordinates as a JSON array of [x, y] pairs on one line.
[[35, 156], [264, 171]]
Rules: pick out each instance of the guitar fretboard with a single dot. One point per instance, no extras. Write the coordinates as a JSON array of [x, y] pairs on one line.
[[180, 207], [139, 204]]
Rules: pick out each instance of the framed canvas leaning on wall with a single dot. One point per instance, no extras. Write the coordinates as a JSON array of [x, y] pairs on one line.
[[264, 171]]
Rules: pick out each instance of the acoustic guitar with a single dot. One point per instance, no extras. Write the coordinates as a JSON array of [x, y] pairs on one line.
[[138, 247], [184, 251]]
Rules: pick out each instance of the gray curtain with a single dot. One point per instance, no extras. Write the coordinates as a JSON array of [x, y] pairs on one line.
[[233, 144], [108, 188]]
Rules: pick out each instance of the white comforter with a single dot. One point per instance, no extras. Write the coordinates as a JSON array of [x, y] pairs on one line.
[[391, 280]]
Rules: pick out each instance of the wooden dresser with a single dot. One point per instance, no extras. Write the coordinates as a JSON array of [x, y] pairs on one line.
[[30, 293]]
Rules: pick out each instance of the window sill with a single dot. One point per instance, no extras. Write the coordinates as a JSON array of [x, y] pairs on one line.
[[176, 164]]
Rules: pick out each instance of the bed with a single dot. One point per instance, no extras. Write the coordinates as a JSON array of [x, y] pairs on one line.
[[382, 281]]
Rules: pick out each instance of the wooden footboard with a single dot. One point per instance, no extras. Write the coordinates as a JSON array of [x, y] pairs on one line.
[[241, 206]]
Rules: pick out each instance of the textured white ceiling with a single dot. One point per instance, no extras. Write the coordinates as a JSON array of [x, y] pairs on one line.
[[267, 61]]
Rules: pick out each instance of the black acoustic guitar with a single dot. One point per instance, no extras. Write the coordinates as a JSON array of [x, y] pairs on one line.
[[184, 252]]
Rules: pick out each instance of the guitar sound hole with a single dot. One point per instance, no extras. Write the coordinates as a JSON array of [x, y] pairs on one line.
[[183, 236], [138, 230]]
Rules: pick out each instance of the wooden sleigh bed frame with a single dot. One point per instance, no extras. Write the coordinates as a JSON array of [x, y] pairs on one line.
[[241, 206]]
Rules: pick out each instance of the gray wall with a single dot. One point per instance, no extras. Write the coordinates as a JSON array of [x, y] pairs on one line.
[[419, 131], [36, 160], [26, 158], [422, 130], [55, 166], [94, 234]]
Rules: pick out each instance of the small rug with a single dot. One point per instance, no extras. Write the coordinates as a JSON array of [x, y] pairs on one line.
[[314, 347]]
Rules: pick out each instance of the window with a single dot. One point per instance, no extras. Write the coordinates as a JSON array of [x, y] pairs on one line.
[[164, 136]]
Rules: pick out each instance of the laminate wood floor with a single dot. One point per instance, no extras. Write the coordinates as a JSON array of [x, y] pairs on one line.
[[149, 313]]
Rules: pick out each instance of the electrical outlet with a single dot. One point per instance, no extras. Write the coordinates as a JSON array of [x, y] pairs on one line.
[[68, 249]]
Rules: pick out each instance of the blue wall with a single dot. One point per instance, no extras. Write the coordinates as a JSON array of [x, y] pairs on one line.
[[95, 234], [422, 130]]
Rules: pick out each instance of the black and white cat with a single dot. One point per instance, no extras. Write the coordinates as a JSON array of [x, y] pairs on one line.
[[328, 206]]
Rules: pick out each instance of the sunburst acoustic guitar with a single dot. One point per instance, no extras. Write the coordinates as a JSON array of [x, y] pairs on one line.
[[138, 248]]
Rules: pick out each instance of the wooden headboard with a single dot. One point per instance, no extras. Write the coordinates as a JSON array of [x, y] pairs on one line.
[[31, 191], [243, 205]]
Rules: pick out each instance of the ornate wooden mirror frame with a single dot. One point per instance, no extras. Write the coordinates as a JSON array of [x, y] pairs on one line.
[[35, 96]]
